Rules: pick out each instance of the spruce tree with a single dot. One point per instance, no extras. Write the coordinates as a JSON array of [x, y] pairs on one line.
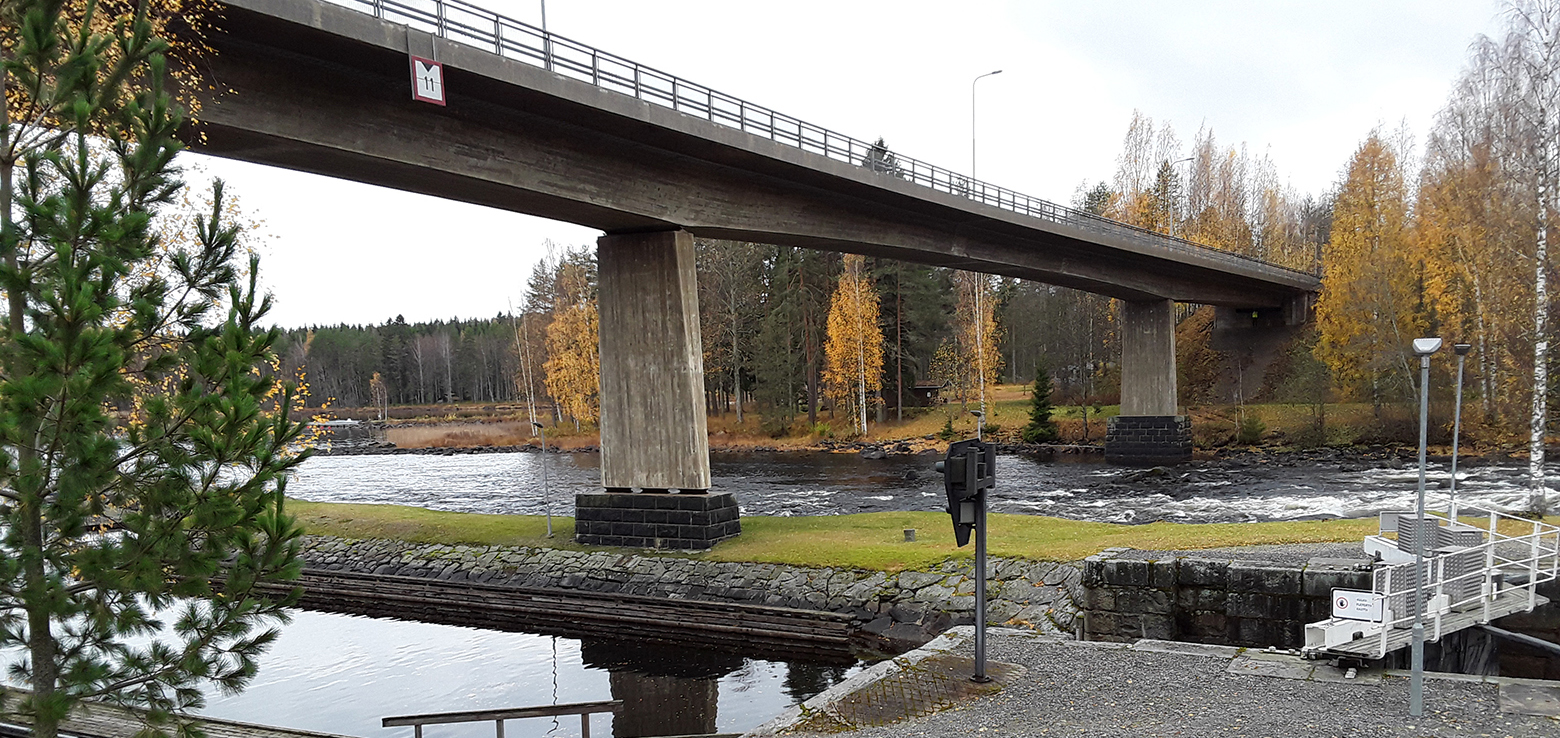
[[143, 442], [1041, 428]]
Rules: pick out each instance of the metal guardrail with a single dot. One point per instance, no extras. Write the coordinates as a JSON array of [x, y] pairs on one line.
[[1506, 565], [583, 709], [468, 24]]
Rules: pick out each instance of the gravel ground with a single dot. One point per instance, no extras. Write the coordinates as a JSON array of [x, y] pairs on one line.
[[1284, 553], [1095, 690]]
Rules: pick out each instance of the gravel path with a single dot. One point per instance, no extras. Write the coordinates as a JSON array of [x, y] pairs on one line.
[[1075, 689]]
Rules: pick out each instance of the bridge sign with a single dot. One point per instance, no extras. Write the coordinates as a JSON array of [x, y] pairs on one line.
[[427, 80], [1351, 604]]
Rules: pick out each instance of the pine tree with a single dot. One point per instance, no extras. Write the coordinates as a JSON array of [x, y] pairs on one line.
[[779, 356], [137, 391], [1041, 428]]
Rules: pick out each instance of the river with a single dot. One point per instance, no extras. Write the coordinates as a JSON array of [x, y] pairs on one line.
[[1243, 489]]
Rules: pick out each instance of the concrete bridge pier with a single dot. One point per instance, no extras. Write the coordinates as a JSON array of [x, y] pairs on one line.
[[653, 435], [1149, 431]]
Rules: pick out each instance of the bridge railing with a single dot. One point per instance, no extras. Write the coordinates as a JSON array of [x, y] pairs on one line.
[[468, 24]]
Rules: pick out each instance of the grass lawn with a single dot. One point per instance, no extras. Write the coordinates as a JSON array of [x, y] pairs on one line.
[[866, 541]]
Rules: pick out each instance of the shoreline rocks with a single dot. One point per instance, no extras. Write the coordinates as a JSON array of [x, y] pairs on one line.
[[893, 611]]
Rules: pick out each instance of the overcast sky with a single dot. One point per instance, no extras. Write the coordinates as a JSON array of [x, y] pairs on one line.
[[1304, 81]]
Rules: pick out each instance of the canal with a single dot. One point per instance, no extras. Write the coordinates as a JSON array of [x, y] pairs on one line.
[[342, 674]]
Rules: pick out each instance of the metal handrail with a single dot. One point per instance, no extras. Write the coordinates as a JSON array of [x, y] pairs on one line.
[[583, 709], [468, 24], [1532, 557]]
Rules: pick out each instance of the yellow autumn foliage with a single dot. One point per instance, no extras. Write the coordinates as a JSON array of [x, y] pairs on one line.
[[573, 364], [853, 352], [1369, 310]]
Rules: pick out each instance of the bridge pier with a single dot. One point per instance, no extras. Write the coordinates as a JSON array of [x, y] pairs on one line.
[[1149, 430], [653, 435]]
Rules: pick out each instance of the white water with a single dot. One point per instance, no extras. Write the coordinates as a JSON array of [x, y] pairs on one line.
[[830, 484]]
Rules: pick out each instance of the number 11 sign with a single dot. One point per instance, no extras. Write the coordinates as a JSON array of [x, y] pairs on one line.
[[427, 80]]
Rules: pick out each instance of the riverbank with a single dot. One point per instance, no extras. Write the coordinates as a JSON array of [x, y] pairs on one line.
[[872, 541], [1276, 427]]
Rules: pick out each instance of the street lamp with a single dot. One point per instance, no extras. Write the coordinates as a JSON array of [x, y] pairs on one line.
[[1423, 348], [972, 119], [546, 493], [547, 55], [1462, 350], [980, 422]]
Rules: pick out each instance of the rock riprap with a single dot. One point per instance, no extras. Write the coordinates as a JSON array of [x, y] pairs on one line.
[[895, 610]]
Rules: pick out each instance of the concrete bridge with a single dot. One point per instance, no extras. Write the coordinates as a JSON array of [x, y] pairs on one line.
[[543, 125]]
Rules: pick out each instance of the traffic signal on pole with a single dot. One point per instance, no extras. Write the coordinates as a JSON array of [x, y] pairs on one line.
[[968, 470]]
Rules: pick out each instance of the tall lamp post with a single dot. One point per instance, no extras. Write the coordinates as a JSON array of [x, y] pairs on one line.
[[1461, 350], [972, 118], [1423, 348], [980, 289]]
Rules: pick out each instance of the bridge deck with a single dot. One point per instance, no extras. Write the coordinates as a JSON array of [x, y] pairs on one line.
[[1506, 603], [539, 124]]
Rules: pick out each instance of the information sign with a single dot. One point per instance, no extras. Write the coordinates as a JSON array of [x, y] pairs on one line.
[[1351, 604], [427, 80]]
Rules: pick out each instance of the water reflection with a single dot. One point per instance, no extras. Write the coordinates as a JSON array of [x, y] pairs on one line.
[[342, 674], [666, 690]]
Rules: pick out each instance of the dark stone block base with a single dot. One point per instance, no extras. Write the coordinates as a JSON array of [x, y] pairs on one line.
[[1148, 440], [655, 520]]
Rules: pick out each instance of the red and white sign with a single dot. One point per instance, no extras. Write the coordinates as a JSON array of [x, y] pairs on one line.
[[427, 80]]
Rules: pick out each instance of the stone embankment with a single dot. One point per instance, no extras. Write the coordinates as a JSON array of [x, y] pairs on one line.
[[893, 611]]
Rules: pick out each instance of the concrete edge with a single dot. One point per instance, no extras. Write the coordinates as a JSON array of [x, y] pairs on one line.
[[1442, 676], [1182, 648], [948, 641]]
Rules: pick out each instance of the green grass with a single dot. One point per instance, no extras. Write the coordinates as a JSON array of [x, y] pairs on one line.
[[864, 541]]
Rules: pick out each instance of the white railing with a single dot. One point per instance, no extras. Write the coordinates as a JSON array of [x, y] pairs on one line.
[[1517, 556], [470, 25]]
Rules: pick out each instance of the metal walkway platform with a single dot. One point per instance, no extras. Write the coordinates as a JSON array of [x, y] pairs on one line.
[[1471, 575], [1371, 647]]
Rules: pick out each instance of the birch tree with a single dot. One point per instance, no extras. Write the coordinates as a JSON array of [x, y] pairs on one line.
[[853, 354], [1535, 38]]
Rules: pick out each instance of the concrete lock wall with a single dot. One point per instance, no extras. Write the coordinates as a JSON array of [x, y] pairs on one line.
[[1261, 604], [1236, 603], [1543, 623]]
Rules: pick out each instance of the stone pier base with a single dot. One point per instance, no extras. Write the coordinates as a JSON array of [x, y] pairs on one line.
[[655, 520], [1148, 440]]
